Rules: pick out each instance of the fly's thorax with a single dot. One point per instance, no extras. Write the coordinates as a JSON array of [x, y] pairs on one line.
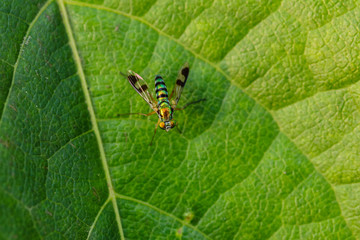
[[165, 111]]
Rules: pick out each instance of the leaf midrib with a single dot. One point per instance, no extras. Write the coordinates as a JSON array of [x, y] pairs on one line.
[[92, 115]]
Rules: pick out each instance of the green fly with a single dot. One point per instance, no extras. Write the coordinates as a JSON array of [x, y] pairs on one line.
[[165, 106]]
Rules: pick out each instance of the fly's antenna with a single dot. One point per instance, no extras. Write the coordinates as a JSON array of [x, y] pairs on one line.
[[123, 74]]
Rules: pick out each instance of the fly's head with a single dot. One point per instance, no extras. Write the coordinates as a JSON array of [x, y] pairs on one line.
[[167, 125]]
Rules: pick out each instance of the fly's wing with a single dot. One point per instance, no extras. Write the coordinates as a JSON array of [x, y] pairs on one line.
[[142, 88], [179, 85]]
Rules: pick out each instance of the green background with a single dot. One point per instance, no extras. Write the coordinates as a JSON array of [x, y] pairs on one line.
[[273, 153]]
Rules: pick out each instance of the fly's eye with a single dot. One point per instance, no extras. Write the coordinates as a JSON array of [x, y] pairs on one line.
[[173, 124], [162, 125]]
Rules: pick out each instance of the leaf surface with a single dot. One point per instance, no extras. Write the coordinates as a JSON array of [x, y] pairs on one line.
[[271, 154]]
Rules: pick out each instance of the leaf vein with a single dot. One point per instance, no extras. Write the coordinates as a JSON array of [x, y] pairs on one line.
[[252, 27], [88, 101], [43, 8], [238, 183], [24, 206], [17, 17], [97, 217], [162, 212]]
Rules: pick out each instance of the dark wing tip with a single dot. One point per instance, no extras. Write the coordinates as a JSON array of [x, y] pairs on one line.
[[185, 72]]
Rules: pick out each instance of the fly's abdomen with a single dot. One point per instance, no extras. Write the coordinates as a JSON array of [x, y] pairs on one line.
[[161, 90]]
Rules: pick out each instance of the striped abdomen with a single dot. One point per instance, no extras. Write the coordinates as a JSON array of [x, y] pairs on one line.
[[161, 90]]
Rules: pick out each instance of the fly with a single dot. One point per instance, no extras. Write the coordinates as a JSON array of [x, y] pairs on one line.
[[164, 105]]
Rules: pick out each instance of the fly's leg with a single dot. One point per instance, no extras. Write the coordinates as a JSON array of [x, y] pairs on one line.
[[146, 115], [157, 124], [188, 104]]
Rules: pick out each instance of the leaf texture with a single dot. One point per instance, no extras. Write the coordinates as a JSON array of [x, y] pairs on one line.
[[273, 152]]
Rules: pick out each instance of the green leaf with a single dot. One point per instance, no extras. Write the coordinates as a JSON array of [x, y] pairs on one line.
[[273, 152]]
